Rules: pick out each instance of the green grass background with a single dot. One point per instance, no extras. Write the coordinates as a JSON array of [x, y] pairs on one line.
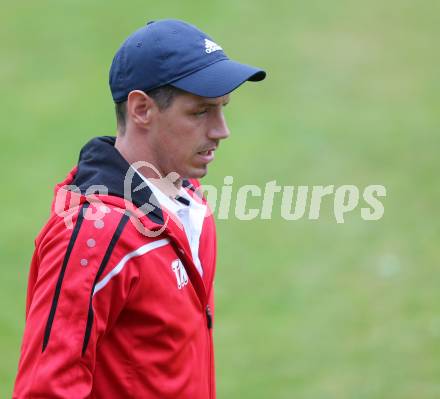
[[305, 309]]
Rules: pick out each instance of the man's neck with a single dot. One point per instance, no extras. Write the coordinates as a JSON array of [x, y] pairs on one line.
[[149, 170]]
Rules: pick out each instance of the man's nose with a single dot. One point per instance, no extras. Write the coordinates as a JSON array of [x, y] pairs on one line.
[[219, 130]]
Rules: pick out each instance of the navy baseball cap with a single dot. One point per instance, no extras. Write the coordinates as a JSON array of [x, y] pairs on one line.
[[173, 52]]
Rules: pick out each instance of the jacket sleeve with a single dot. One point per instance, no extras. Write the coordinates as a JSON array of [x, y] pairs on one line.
[[64, 319]]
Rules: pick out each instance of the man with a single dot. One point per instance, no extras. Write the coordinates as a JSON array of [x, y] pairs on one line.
[[120, 299]]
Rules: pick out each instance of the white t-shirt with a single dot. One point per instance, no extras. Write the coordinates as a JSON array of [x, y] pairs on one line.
[[191, 216]]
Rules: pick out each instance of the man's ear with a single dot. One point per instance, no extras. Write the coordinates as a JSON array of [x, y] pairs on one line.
[[141, 108]]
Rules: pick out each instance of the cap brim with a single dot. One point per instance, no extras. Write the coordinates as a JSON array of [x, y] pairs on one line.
[[219, 79]]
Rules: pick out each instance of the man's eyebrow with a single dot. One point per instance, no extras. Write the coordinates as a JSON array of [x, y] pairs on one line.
[[208, 104]]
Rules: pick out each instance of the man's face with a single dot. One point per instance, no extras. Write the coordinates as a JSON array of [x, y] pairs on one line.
[[187, 134]]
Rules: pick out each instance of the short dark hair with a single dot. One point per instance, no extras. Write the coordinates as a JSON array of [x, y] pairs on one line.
[[162, 96]]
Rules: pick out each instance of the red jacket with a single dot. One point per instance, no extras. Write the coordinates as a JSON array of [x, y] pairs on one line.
[[111, 312]]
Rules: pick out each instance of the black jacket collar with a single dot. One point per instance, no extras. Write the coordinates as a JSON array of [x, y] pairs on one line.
[[100, 163]]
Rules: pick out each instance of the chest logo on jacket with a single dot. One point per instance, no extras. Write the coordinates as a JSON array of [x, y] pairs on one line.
[[180, 273]]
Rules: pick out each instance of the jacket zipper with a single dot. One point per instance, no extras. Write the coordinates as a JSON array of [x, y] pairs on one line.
[[209, 331], [208, 317]]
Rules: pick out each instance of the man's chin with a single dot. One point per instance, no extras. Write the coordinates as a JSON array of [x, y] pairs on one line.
[[197, 173]]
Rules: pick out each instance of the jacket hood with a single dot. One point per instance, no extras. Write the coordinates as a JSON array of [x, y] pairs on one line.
[[102, 167]]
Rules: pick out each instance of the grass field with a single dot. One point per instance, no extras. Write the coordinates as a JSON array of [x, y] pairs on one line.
[[305, 309]]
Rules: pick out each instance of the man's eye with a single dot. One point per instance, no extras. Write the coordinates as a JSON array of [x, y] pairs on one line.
[[201, 112]]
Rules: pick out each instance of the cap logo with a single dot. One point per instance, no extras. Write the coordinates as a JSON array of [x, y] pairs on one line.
[[210, 46]]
